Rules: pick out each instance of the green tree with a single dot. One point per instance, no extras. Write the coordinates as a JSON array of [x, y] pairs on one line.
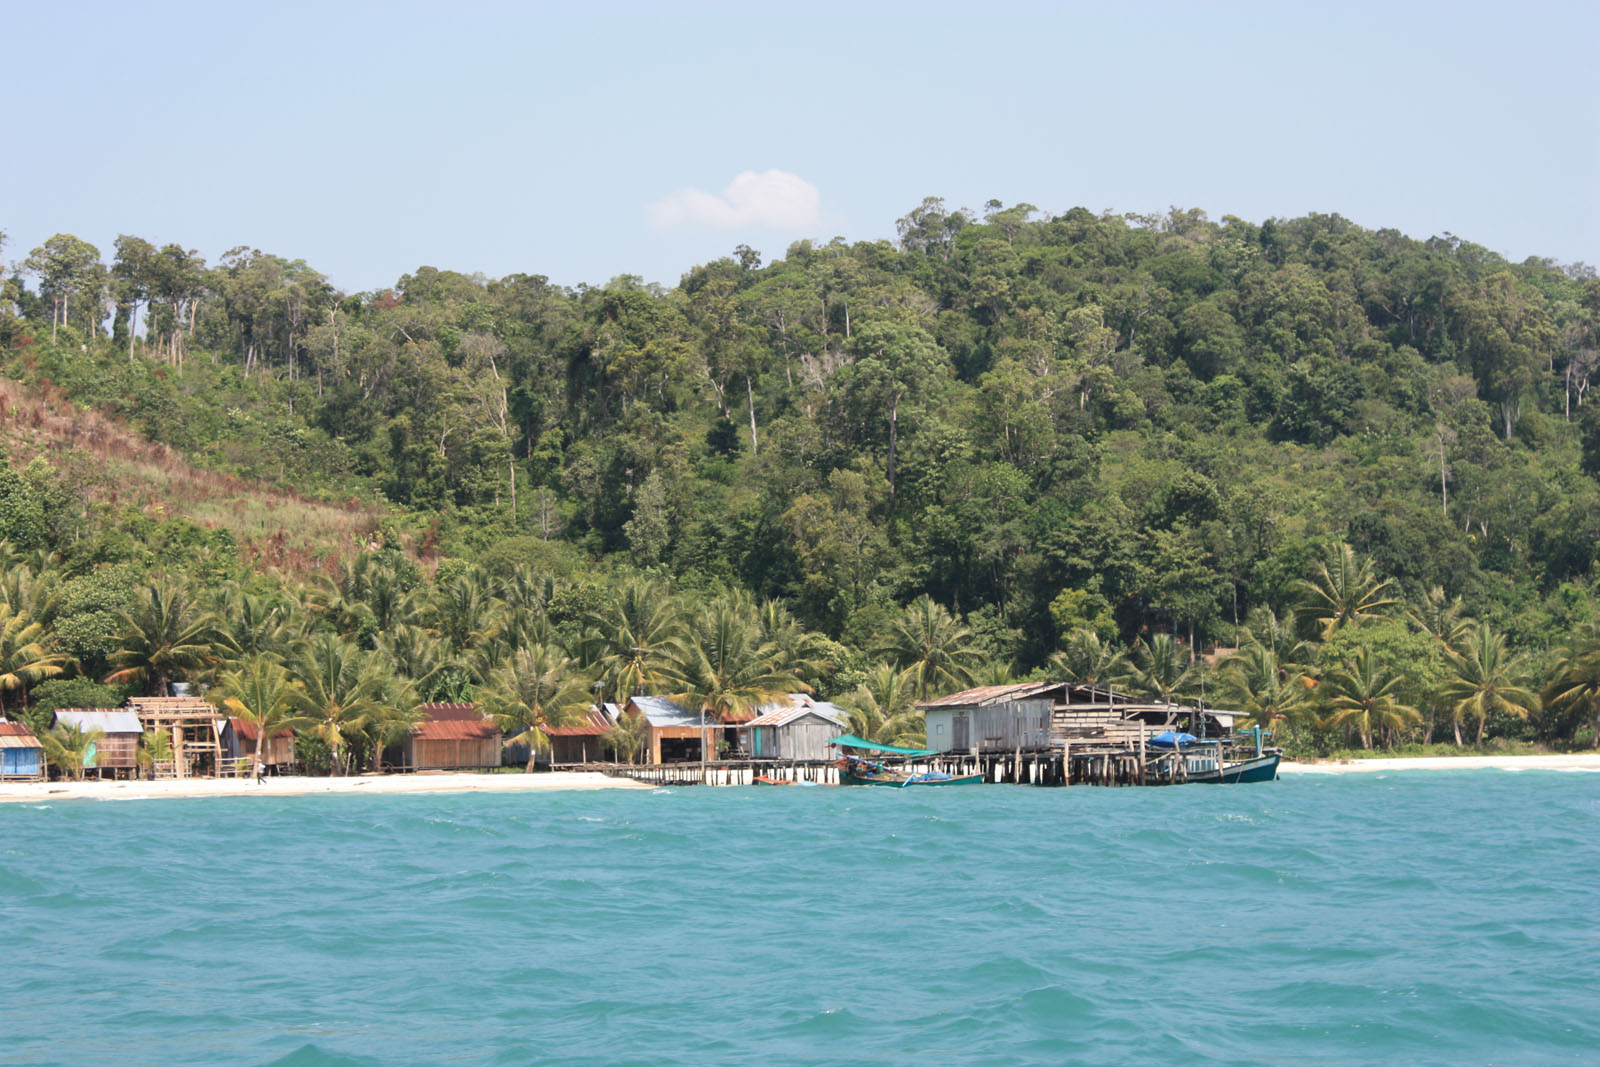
[[25, 655], [537, 688], [1486, 679], [930, 643], [1363, 694], [71, 748], [1344, 589], [165, 635], [261, 693], [339, 690], [724, 670]]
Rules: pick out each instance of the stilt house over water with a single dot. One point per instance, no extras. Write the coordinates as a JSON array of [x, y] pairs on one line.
[[452, 737], [21, 754], [116, 754], [795, 728], [992, 718]]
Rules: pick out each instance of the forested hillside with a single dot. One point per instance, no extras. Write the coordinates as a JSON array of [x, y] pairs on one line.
[[1082, 444]]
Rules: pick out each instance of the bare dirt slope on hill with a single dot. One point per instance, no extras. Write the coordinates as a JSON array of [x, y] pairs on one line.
[[105, 462]]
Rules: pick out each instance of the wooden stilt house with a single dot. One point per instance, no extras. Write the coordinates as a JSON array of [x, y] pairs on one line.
[[195, 727], [675, 731], [21, 754], [116, 753], [580, 742], [452, 737], [239, 745], [992, 718], [796, 728]]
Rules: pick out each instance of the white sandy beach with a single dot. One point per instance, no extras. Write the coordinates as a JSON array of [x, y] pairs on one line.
[[294, 785], [1585, 761]]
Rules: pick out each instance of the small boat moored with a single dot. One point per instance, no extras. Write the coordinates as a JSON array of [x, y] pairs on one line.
[[859, 770]]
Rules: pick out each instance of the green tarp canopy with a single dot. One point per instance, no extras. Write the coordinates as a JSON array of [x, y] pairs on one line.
[[852, 741]]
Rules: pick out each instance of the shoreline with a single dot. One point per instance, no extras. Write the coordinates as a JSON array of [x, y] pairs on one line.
[[300, 785], [1583, 761]]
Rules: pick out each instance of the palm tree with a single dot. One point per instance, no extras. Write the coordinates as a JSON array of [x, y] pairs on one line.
[[398, 712], [635, 640], [1364, 694], [415, 654], [538, 687], [1162, 669], [1259, 686], [262, 694], [1485, 680], [1345, 589], [933, 645], [1280, 635], [25, 656], [339, 690], [724, 669], [1574, 693], [165, 633], [464, 611], [155, 749], [800, 652], [256, 624], [628, 737], [69, 745], [884, 708], [1440, 617], [1087, 660]]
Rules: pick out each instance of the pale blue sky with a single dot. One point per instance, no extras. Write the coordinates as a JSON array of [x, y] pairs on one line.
[[369, 139]]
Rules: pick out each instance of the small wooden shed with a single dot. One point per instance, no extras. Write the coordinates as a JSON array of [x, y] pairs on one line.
[[992, 718], [580, 742], [239, 742], [117, 753], [796, 728], [21, 754], [453, 737]]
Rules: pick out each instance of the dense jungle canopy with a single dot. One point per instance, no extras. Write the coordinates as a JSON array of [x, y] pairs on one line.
[[1006, 445]]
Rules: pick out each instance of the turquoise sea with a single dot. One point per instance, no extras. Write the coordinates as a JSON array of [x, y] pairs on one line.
[[1416, 917]]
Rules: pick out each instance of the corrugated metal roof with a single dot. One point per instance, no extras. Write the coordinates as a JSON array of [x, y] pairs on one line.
[[247, 730], [456, 730], [660, 712], [991, 694], [17, 735], [800, 705], [594, 723], [451, 712], [110, 720]]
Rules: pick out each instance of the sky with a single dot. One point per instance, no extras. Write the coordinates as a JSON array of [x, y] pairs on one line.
[[586, 141]]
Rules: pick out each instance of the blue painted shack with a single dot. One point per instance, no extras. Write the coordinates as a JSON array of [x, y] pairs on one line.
[[21, 754]]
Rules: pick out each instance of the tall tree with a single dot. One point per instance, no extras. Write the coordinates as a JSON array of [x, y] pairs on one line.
[[1486, 679], [261, 693], [165, 635]]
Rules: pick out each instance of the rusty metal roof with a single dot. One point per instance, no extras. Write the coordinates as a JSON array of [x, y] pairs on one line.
[[798, 706], [595, 722], [456, 730], [247, 730], [17, 735], [451, 712], [991, 694]]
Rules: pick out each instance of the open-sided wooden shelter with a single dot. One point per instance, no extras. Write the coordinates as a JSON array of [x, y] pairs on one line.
[[195, 727]]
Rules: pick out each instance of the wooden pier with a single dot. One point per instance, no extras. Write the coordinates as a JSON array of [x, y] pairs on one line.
[[1054, 766]]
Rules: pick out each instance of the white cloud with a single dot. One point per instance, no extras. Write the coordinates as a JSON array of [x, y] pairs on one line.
[[772, 198]]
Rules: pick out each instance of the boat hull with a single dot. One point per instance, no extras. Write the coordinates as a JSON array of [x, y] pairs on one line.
[[847, 778], [1263, 768]]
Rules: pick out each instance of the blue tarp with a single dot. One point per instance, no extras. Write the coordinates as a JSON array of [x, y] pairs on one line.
[[1173, 740]]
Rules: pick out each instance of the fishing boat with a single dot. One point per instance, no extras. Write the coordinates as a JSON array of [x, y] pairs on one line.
[[1216, 762], [860, 770]]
